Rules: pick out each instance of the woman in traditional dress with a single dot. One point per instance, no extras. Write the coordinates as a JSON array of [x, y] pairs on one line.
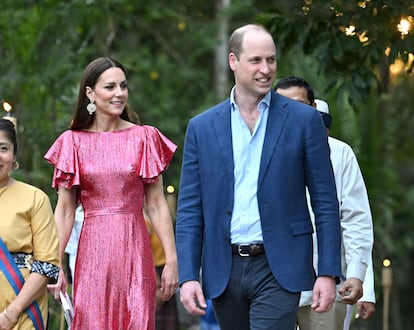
[[109, 164], [28, 244]]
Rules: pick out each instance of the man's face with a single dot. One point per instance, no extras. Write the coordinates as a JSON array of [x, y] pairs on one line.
[[296, 93], [255, 69]]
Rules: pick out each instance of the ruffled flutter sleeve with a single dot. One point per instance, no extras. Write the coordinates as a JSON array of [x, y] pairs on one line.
[[63, 156], [157, 152]]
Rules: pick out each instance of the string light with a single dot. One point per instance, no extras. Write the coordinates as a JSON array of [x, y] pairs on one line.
[[350, 30], [363, 37], [386, 262], [7, 106], [170, 189], [405, 25], [362, 4]]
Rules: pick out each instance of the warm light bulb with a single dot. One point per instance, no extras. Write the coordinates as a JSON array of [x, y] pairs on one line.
[[386, 262], [397, 67], [7, 106], [404, 26], [362, 4], [363, 37], [350, 30], [170, 189]]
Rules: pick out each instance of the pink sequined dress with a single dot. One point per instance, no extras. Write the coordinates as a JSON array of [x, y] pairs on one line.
[[114, 285]]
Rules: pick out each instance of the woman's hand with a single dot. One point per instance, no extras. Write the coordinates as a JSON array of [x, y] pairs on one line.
[[169, 280], [6, 323], [60, 285]]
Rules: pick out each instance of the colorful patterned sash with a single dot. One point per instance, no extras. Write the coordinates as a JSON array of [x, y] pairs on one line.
[[16, 280]]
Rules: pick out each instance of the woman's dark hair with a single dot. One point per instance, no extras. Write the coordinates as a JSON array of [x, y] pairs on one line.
[[82, 119], [9, 130]]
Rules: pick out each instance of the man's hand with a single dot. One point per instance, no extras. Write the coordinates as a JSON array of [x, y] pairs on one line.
[[192, 298], [364, 310], [324, 293], [351, 291]]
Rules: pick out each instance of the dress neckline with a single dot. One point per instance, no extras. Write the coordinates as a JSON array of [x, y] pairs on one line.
[[108, 132]]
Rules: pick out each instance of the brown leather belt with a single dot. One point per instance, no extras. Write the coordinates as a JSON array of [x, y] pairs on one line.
[[248, 250]]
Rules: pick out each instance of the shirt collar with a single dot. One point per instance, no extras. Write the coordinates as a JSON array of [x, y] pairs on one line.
[[263, 104]]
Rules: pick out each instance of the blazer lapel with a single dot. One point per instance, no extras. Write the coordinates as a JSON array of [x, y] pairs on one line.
[[222, 126], [275, 122]]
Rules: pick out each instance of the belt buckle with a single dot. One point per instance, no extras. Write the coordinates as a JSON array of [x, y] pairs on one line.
[[241, 254]]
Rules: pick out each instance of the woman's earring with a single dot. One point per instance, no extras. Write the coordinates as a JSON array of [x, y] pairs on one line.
[[91, 107], [15, 165]]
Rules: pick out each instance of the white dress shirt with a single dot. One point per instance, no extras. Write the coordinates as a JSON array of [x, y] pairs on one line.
[[355, 219]]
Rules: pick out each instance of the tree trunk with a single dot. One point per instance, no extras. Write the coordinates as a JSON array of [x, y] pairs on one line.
[[221, 51]]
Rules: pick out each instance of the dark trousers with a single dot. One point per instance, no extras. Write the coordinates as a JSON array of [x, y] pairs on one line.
[[254, 300]]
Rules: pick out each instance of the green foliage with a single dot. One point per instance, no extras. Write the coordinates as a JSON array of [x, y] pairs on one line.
[[371, 110], [165, 48], [318, 28]]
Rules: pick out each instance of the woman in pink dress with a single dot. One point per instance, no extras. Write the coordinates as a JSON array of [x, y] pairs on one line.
[[111, 165]]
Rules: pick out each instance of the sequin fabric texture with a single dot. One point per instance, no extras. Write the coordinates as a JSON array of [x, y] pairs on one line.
[[114, 285]]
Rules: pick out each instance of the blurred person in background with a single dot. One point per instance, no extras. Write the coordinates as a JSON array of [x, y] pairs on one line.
[[166, 313], [72, 246], [29, 247]]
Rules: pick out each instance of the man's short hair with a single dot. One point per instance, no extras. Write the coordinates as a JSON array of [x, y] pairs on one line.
[[294, 81], [236, 38]]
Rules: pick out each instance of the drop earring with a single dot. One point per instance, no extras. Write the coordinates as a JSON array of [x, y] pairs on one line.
[[91, 107], [15, 165]]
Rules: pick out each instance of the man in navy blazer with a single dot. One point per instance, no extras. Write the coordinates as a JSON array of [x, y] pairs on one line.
[[242, 214]]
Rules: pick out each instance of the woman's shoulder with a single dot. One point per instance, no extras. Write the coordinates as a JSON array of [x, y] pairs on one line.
[[148, 134], [29, 189], [66, 135], [146, 130], [63, 142]]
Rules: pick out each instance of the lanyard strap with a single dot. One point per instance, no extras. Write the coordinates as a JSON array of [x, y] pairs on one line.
[[16, 280]]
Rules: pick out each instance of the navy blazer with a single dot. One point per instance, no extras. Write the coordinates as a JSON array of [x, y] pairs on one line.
[[295, 155]]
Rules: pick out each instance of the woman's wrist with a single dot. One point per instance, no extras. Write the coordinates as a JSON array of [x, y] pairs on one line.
[[171, 263], [170, 258], [8, 317]]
